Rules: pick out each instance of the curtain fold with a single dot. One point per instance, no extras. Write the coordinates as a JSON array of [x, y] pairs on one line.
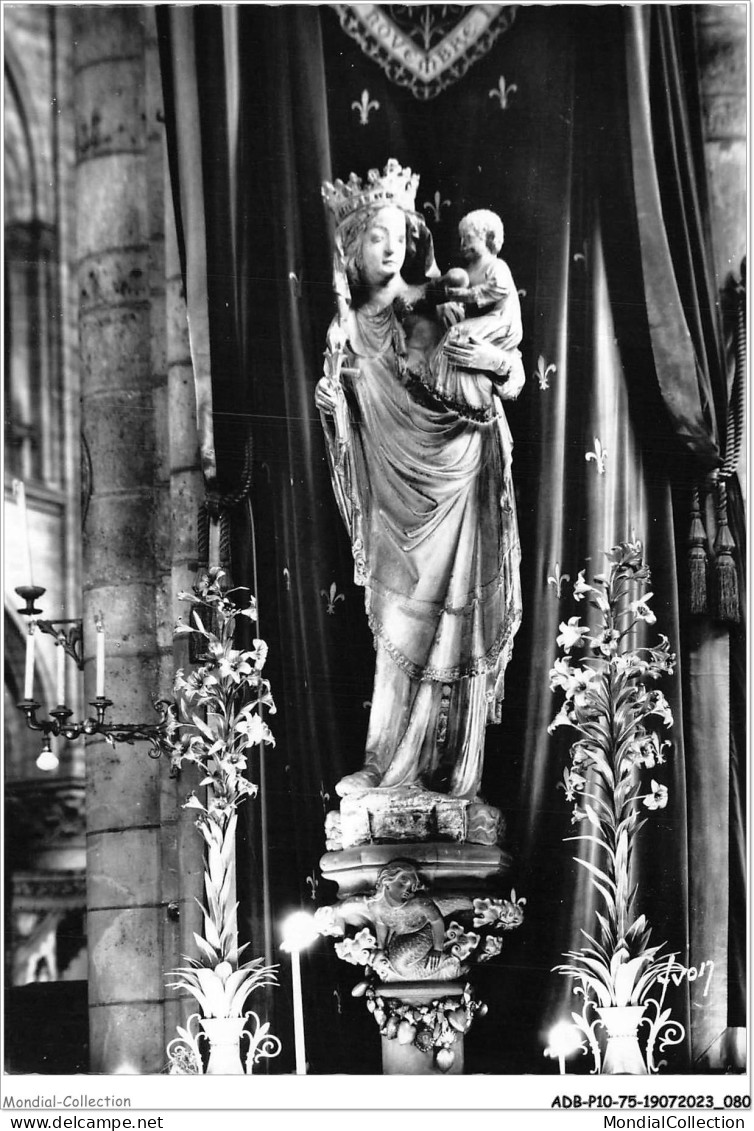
[[686, 341], [586, 166], [688, 348], [181, 88]]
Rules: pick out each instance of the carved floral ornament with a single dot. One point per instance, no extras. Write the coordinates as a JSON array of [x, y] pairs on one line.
[[425, 47]]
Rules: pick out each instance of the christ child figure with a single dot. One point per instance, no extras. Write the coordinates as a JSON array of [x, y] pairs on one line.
[[482, 309]]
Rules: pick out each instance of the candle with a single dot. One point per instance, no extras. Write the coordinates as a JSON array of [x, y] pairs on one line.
[[29, 671], [20, 492], [214, 543], [299, 930], [298, 1015], [100, 665], [61, 670]]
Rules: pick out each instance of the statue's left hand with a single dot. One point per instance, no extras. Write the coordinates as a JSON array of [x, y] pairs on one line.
[[470, 353]]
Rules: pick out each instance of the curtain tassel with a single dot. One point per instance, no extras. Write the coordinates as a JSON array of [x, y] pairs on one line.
[[697, 559], [727, 606]]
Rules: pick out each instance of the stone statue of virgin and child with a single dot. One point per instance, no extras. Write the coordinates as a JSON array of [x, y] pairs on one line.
[[418, 368]]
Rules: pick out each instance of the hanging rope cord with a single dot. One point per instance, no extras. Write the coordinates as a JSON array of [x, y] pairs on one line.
[[737, 407], [725, 604], [216, 508]]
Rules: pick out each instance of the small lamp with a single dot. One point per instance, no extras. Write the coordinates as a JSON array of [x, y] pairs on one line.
[[564, 1039], [299, 932], [48, 759]]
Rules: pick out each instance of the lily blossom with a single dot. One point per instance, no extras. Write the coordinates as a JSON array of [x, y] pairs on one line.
[[581, 759], [641, 610], [562, 719], [644, 751], [193, 802], [582, 587], [561, 674], [658, 798], [255, 730], [234, 666], [572, 634], [630, 662], [572, 783], [657, 704], [609, 642]]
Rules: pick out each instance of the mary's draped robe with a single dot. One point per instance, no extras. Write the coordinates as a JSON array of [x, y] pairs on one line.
[[427, 495]]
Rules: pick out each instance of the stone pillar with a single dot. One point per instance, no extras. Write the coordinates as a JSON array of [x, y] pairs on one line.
[[121, 579], [64, 131], [721, 38]]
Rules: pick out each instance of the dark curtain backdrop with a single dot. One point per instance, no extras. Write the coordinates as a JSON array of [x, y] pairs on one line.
[[574, 165]]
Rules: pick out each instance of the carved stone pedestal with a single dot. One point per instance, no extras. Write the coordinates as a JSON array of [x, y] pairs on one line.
[[409, 814], [448, 870], [420, 880]]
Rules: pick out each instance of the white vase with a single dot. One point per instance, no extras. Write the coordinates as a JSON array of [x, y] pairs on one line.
[[224, 1036], [623, 1055]]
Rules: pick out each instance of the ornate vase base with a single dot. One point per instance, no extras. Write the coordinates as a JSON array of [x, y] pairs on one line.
[[224, 1034], [623, 1055]]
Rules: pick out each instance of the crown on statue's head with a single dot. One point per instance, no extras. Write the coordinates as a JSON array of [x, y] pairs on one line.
[[395, 186]]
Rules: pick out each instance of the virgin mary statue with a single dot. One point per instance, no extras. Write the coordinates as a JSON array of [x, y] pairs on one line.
[[424, 486]]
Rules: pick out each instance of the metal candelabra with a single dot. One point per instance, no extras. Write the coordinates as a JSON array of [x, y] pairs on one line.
[[68, 635]]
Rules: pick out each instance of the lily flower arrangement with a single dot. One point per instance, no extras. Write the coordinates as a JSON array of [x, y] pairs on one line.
[[214, 722], [614, 774]]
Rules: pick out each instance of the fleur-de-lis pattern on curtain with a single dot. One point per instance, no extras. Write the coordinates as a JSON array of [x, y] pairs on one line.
[[503, 92], [364, 106], [434, 207]]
